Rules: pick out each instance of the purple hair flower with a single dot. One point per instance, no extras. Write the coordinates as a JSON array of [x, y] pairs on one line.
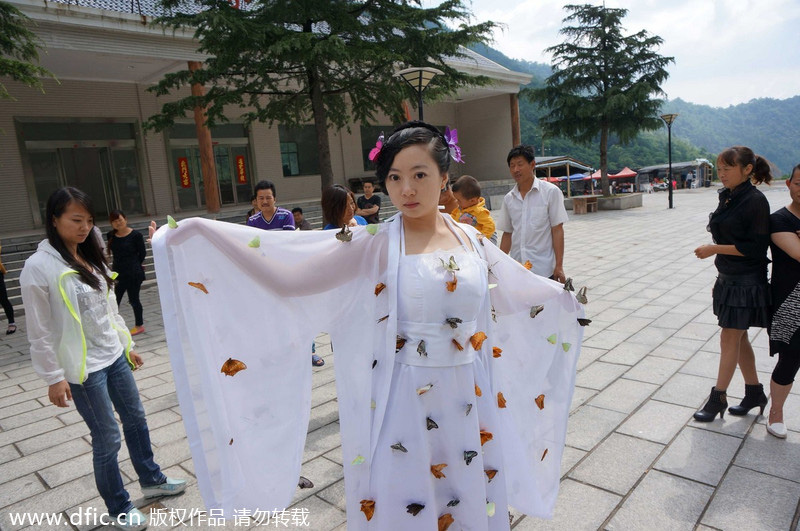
[[451, 137]]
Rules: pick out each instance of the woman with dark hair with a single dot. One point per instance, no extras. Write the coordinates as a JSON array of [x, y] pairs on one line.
[[7, 307], [339, 208], [784, 331], [126, 247], [740, 231], [81, 347], [453, 398]]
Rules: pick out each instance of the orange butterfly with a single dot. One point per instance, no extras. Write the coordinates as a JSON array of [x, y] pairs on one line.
[[544, 454], [379, 287], [200, 286], [486, 437], [444, 521], [527, 265], [458, 345], [477, 340], [436, 470], [451, 284], [478, 390], [501, 401], [368, 508], [496, 352], [491, 473], [540, 401], [232, 366]]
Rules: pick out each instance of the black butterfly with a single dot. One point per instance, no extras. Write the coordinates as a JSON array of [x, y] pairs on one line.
[[469, 455], [421, 348], [453, 322], [431, 424], [400, 447], [536, 310], [414, 508], [453, 503], [305, 483], [584, 322], [568, 285]]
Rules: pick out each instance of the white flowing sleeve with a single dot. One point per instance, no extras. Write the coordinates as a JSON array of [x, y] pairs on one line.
[[535, 372], [235, 296]]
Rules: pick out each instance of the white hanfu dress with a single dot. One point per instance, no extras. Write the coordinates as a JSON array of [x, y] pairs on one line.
[[438, 425]]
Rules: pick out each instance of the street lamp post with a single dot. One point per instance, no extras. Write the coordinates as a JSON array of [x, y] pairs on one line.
[[668, 119], [419, 77]]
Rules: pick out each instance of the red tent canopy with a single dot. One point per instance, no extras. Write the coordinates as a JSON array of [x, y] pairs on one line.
[[626, 172]]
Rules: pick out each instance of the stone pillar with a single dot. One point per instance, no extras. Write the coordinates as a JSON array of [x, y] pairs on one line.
[[516, 137]]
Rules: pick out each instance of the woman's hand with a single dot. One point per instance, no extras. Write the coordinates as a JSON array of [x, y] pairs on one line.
[[136, 359], [59, 393], [151, 230], [705, 251]]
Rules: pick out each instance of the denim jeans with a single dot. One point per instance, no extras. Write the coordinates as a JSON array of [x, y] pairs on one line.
[[93, 400]]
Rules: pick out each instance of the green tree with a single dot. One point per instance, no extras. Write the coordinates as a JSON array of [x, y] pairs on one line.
[[327, 61], [19, 49], [603, 81]]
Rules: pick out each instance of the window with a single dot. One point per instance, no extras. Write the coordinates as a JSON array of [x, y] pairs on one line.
[[299, 155]]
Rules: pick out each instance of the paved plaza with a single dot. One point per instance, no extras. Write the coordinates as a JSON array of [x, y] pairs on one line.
[[635, 458]]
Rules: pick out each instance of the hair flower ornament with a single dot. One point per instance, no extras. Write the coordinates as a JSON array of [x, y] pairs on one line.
[[451, 137], [374, 152]]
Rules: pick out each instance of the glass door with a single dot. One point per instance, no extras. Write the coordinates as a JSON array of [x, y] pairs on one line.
[[233, 176], [89, 170]]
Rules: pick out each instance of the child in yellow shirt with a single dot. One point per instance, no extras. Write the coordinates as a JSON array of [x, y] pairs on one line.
[[471, 206]]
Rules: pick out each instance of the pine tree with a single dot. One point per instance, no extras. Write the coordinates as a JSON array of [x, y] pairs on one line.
[[19, 50], [603, 81], [327, 61]]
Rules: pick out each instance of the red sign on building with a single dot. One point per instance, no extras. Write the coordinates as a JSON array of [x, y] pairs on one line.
[[241, 170], [183, 172]]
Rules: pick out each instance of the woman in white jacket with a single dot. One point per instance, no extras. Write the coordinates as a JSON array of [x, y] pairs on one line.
[[81, 347]]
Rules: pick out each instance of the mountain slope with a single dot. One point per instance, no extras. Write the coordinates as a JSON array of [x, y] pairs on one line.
[[769, 126]]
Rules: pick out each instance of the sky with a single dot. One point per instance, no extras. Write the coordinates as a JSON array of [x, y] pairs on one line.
[[726, 51]]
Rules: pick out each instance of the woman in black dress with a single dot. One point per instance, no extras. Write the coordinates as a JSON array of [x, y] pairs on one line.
[[740, 230], [126, 246], [784, 332]]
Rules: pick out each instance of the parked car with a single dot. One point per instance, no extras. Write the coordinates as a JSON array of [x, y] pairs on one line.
[[659, 186]]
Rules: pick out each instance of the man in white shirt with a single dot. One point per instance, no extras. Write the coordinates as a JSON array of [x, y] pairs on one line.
[[532, 218]]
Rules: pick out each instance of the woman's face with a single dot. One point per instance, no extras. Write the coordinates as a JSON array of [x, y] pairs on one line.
[[414, 182], [793, 183], [733, 176], [120, 223], [74, 225], [350, 211]]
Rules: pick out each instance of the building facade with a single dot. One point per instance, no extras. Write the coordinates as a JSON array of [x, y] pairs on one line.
[[85, 129]]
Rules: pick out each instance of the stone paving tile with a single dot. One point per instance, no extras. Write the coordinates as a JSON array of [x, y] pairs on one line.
[[322, 472], [589, 425], [662, 502], [607, 339], [730, 425], [626, 353], [579, 507], [630, 324], [588, 356], [51, 501], [698, 331], [580, 396], [685, 390], [705, 364], [617, 463], [322, 516], [598, 375], [653, 369], [651, 335], [623, 395], [751, 500], [656, 421], [20, 489], [767, 454], [700, 455], [52, 439], [653, 311], [570, 458], [677, 348]]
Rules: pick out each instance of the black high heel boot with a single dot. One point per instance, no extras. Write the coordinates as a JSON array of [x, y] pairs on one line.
[[753, 397], [717, 403]]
